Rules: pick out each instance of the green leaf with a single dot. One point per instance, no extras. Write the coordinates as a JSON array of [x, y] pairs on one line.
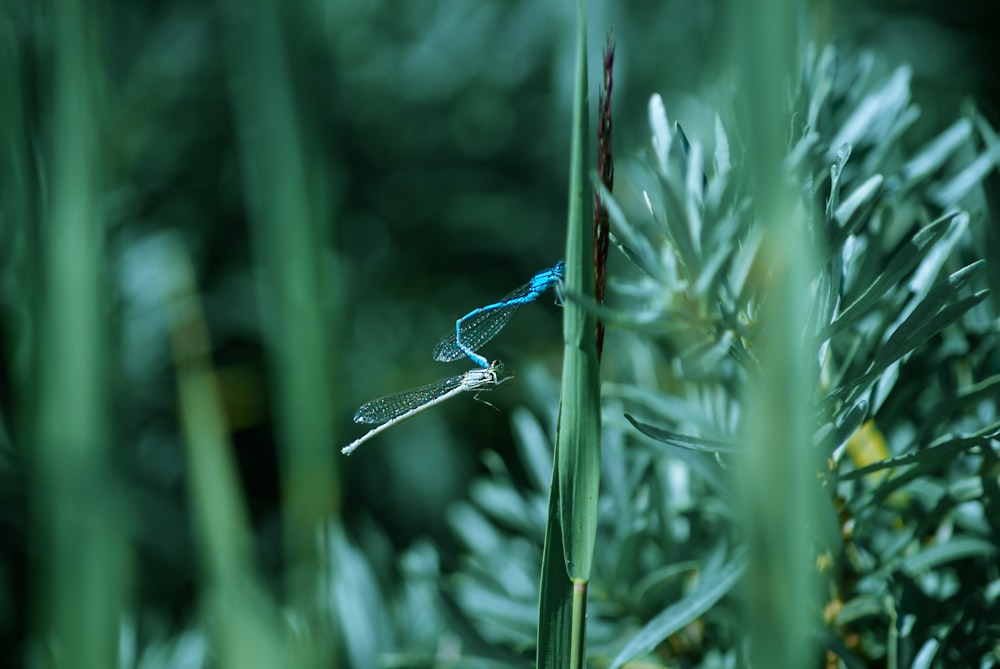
[[962, 399], [533, 448], [925, 657], [676, 226], [901, 264], [853, 212], [889, 141], [578, 440], [936, 258], [635, 247], [848, 425], [943, 450], [955, 548], [515, 617], [821, 86], [682, 441], [650, 587], [504, 505], [555, 595], [693, 195], [877, 110], [662, 138], [710, 275], [722, 161], [949, 193], [742, 263], [571, 530], [931, 316], [357, 599], [862, 606], [473, 529], [933, 156], [713, 586], [836, 169], [925, 461]]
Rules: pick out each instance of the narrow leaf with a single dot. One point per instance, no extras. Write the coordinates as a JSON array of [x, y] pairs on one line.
[[693, 191], [929, 317], [635, 247], [676, 226], [555, 592], [533, 448], [661, 132], [943, 450], [722, 161], [849, 424], [956, 548], [578, 443], [925, 658], [937, 256], [877, 110], [907, 337], [949, 193], [932, 157], [901, 264], [713, 587], [853, 211], [681, 440], [836, 169]]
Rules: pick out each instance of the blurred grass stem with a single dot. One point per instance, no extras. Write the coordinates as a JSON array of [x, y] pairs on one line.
[[777, 501], [238, 613], [285, 186], [86, 563]]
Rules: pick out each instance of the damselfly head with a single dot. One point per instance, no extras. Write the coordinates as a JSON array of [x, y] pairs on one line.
[[497, 369]]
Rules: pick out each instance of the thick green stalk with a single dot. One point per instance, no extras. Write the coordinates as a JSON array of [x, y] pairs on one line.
[[778, 501], [241, 620], [285, 183], [85, 558], [578, 627]]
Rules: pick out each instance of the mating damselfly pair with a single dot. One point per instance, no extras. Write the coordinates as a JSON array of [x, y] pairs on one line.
[[472, 331]]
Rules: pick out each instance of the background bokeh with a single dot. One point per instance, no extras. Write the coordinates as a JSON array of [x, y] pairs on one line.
[[439, 136]]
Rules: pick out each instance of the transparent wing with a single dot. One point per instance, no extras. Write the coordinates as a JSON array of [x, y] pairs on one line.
[[482, 327], [386, 408], [475, 332]]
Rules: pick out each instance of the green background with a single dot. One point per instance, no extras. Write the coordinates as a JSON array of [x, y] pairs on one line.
[[436, 135]]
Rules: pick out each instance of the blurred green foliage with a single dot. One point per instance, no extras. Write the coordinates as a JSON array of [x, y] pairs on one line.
[[434, 154]]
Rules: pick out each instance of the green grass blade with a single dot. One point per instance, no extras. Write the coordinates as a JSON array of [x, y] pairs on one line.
[[555, 599], [578, 441], [572, 523]]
